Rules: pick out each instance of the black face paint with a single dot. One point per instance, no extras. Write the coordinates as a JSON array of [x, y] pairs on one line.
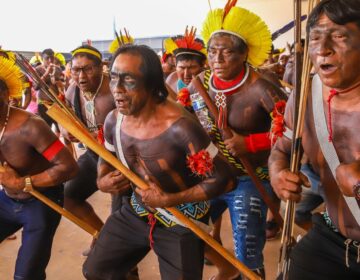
[[126, 80]]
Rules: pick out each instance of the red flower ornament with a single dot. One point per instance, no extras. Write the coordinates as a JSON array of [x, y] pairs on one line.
[[201, 163]]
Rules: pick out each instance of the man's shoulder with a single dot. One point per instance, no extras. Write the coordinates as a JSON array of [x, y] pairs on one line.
[[26, 120], [71, 90]]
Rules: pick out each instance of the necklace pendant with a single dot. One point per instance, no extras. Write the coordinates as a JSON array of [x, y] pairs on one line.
[[90, 107]]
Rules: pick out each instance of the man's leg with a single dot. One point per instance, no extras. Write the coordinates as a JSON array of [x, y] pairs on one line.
[[8, 218], [122, 243], [321, 254], [39, 225], [81, 187], [180, 253], [248, 218]]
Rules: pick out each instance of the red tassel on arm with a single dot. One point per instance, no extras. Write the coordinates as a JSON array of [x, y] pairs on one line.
[[277, 124], [100, 135]]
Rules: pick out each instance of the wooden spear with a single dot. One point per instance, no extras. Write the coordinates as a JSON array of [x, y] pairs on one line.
[[227, 133], [58, 115]]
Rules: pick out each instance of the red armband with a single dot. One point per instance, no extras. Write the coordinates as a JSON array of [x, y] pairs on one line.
[[53, 150], [258, 142]]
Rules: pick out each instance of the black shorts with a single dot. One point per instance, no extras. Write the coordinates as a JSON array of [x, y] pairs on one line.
[[124, 241], [321, 255], [84, 184]]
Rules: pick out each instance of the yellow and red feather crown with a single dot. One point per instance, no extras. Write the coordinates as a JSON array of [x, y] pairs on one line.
[[244, 24], [187, 43]]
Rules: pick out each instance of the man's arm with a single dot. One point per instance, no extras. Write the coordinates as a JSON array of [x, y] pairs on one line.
[[287, 185], [62, 166], [109, 179], [220, 182]]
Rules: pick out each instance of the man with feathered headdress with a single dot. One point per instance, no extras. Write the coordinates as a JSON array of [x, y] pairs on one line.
[[31, 157], [238, 40], [190, 55]]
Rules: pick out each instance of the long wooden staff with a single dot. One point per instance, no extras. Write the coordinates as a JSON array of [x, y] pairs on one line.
[[56, 207], [57, 114], [302, 88], [227, 133]]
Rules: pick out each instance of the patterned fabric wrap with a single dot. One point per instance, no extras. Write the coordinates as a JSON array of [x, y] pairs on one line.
[[194, 210], [219, 142]]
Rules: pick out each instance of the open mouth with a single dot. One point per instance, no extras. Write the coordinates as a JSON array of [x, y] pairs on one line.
[[121, 102], [327, 68]]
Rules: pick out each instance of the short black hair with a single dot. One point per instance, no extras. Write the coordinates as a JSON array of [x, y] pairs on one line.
[[340, 12], [239, 44], [200, 59], [150, 68], [48, 52], [97, 61]]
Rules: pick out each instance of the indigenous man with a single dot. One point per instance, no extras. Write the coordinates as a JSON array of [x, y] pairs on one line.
[[49, 73], [91, 99], [167, 64], [245, 101], [190, 55], [32, 157], [163, 143], [330, 250]]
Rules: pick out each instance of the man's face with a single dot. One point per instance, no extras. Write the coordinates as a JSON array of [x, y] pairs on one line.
[[86, 74], [47, 59], [335, 52], [127, 84], [168, 66], [225, 61], [186, 69]]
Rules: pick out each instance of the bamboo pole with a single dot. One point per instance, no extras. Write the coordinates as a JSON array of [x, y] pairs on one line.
[[56, 207], [57, 114]]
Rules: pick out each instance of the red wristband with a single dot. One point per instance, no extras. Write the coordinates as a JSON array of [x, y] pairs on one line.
[[258, 142], [53, 150]]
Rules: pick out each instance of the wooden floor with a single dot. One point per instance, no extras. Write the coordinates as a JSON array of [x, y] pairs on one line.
[[66, 259]]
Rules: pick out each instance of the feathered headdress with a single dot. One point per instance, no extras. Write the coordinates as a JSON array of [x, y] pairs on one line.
[[35, 59], [11, 75], [185, 44], [244, 24], [61, 58], [120, 40]]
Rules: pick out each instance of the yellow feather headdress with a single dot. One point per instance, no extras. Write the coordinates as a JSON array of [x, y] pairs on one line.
[[61, 58], [186, 43], [120, 41], [244, 24], [11, 75]]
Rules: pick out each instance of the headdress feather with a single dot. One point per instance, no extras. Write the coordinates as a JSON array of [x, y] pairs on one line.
[[120, 40], [11, 75]]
